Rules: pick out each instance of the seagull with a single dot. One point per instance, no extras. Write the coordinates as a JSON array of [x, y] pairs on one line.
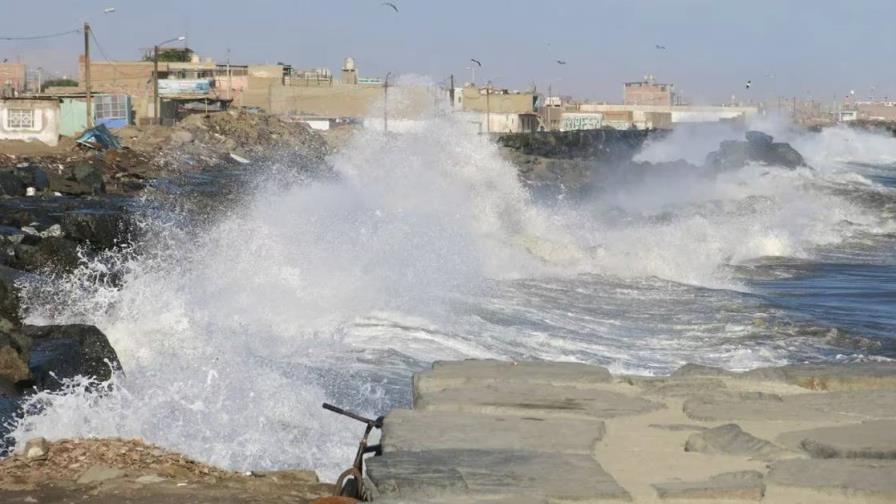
[[749, 83], [474, 60], [390, 4], [561, 62], [661, 47]]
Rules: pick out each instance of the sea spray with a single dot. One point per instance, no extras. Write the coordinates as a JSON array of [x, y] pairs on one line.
[[425, 246]]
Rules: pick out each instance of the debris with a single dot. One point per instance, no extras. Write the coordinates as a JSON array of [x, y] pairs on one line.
[[239, 159], [99, 137]]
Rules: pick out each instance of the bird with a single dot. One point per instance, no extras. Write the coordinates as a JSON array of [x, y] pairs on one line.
[[561, 62], [749, 83], [661, 47], [390, 4], [474, 60]]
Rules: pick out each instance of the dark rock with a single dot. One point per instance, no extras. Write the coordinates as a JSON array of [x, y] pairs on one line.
[[601, 144], [61, 183], [67, 351], [759, 148], [101, 228], [51, 253], [33, 176], [90, 175], [9, 296], [759, 138], [10, 185]]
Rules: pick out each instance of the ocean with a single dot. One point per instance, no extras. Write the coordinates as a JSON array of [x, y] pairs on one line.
[[233, 326]]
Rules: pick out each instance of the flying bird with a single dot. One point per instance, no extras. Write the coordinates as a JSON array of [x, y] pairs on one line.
[[749, 83], [561, 62], [390, 4], [474, 60], [661, 47]]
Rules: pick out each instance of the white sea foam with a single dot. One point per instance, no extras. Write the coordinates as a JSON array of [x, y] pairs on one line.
[[425, 247]]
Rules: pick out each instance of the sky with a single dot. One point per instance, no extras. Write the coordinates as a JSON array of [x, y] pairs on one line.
[[820, 49]]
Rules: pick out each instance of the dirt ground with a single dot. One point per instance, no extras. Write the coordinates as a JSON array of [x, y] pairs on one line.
[[107, 471]]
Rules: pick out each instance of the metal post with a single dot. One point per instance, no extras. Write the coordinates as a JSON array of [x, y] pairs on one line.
[[386, 104], [229, 77], [87, 83], [155, 84], [488, 107]]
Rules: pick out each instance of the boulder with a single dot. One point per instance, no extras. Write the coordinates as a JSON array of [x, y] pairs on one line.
[[67, 351], [729, 439], [872, 440], [9, 297], [98, 474], [10, 184], [14, 355], [33, 176], [758, 148], [50, 254], [102, 228], [741, 485], [37, 449], [809, 407], [64, 184], [89, 174]]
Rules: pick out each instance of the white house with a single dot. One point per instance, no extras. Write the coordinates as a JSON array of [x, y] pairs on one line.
[[29, 119]]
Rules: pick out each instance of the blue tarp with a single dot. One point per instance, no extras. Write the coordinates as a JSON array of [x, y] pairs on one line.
[[99, 137]]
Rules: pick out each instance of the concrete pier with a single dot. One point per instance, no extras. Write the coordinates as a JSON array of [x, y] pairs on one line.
[[536, 432]]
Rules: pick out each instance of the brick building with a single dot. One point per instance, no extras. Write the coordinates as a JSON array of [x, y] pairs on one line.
[[648, 92], [12, 77]]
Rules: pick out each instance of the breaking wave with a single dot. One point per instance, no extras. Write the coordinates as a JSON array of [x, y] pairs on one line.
[[426, 246]]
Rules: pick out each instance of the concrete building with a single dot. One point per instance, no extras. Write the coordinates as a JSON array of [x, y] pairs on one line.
[[876, 111], [29, 119], [676, 114], [13, 78], [501, 101], [648, 92]]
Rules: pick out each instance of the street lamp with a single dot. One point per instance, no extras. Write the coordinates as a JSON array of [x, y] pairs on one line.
[[155, 75]]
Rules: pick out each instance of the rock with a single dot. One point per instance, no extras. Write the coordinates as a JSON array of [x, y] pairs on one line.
[[90, 175], [759, 139], [872, 440], [68, 351], [9, 295], [10, 185], [814, 407], [428, 476], [37, 449], [33, 176], [150, 479], [98, 474], [50, 254], [466, 373], [855, 478], [15, 350], [62, 184], [678, 387], [729, 439], [759, 148], [678, 427], [742, 485], [541, 401], [411, 430], [102, 228], [698, 370], [180, 137], [832, 377]]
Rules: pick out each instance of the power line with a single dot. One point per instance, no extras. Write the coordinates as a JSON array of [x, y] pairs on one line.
[[38, 37]]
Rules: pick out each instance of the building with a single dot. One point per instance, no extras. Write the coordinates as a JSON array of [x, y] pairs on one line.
[[13, 78], [501, 101], [30, 119], [647, 114], [876, 111], [648, 92]]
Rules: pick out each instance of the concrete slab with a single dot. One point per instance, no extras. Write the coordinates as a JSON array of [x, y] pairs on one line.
[[812, 407], [538, 401], [492, 474], [827, 377], [875, 439], [741, 485], [410, 430], [730, 439], [474, 373], [852, 477]]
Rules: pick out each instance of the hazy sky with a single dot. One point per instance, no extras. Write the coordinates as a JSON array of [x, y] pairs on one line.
[[821, 48]]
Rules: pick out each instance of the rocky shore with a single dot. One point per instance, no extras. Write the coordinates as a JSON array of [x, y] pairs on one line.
[[540, 432]]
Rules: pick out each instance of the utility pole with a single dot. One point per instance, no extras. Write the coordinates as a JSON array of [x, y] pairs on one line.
[[229, 77], [451, 91], [488, 107], [87, 83], [386, 104], [155, 84]]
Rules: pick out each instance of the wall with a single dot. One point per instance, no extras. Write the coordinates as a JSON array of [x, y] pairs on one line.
[[46, 121], [472, 100], [876, 112], [14, 74], [573, 121], [339, 100], [647, 93], [678, 114]]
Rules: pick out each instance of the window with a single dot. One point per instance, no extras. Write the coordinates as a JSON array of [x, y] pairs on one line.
[[111, 107], [20, 119]]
